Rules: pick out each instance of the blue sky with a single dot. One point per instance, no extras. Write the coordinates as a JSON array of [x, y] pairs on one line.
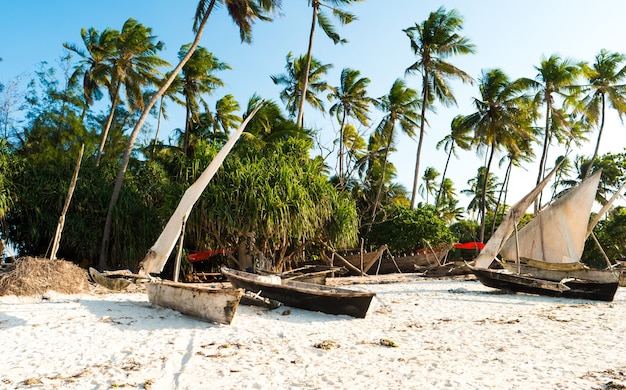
[[512, 36]]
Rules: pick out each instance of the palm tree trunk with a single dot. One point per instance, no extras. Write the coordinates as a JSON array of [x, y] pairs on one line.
[[156, 136], [483, 203], [443, 177], [382, 178], [305, 74], [341, 177], [421, 139], [595, 152], [505, 185], [104, 250], [544, 153], [105, 133]]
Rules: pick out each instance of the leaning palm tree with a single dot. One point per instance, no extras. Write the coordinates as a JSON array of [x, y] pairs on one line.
[[351, 101], [292, 81], [459, 137], [243, 13], [432, 41], [606, 79], [555, 77], [501, 112], [400, 107], [320, 17]]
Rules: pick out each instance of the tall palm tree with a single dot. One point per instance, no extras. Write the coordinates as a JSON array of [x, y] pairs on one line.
[[428, 182], [134, 65], [292, 81], [320, 17], [400, 107], [555, 77], [243, 13], [351, 101], [198, 79], [93, 70], [432, 41], [606, 85], [459, 137], [501, 112]]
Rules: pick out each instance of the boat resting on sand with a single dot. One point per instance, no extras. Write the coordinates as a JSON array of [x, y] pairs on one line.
[[205, 302], [556, 235], [566, 288], [301, 295]]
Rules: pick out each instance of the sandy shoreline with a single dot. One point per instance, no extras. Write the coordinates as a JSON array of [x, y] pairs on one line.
[[447, 334]]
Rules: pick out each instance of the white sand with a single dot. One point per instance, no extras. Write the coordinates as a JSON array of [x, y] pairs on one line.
[[450, 334]]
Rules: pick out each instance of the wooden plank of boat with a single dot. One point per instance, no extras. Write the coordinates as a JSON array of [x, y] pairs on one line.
[[115, 284], [204, 302], [308, 296]]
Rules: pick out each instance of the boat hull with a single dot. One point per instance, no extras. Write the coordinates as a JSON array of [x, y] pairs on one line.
[[567, 288], [307, 296], [204, 302], [557, 272]]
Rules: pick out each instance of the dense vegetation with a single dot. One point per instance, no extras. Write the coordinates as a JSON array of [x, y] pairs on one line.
[[273, 184]]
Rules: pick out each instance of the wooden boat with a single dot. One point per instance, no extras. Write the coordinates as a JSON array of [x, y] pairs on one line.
[[373, 263], [566, 288], [308, 296], [205, 302], [557, 235], [309, 273], [211, 304]]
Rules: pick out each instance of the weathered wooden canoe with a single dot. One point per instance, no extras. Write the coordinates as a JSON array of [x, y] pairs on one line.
[[308, 296], [567, 288], [212, 303]]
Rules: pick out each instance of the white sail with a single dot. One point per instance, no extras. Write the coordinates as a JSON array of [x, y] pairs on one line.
[[157, 256], [558, 233], [503, 232]]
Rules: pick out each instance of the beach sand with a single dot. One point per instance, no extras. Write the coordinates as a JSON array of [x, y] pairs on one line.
[[418, 334]]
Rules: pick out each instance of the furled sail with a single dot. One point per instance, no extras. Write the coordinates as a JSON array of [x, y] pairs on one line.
[[502, 233], [558, 233], [157, 256]]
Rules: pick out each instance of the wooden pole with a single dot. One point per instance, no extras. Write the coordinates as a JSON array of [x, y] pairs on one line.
[[68, 198]]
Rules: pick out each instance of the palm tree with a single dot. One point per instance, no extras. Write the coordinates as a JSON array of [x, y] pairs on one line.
[[555, 77], [292, 81], [432, 42], [448, 203], [132, 66], [198, 80], [428, 182], [243, 13], [351, 101], [459, 136], [225, 118], [501, 112], [400, 107], [319, 17], [606, 82], [93, 69], [482, 191]]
